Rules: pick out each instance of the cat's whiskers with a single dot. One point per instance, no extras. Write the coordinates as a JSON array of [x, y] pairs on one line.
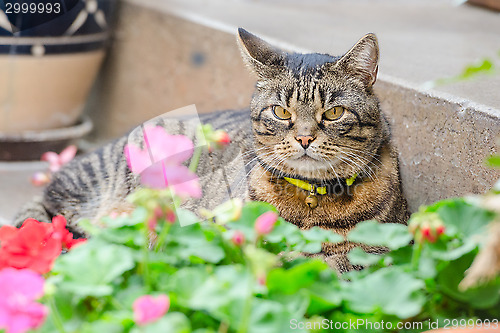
[[343, 156], [277, 160], [361, 151], [360, 157], [354, 166], [348, 157], [249, 162], [254, 151], [368, 169], [331, 166], [364, 169]]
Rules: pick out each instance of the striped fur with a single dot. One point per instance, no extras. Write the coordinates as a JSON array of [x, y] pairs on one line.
[[265, 149]]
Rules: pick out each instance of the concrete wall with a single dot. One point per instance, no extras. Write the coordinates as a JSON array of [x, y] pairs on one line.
[[159, 62], [442, 143]]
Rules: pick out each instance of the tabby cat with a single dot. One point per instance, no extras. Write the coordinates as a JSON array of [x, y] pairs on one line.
[[314, 144]]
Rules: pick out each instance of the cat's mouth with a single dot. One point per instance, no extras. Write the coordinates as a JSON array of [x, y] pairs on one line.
[[308, 160], [306, 155]]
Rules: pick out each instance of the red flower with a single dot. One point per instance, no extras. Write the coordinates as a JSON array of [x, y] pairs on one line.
[[35, 245], [60, 231], [32, 246], [426, 227]]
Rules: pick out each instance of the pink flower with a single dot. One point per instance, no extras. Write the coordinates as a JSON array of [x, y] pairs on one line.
[[220, 138], [160, 163], [148, 308], [170, 216], [56, 161], [262, 280], [18, 291], [152, 222], [40, 178], [238, 238], [161, 146], [265, 223], [183, 181]]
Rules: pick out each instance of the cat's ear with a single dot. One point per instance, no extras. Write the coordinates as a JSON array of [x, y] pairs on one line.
[[362, 59], [262, 58]]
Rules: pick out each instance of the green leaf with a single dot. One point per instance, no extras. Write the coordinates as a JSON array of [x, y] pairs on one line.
[[462, 218], [484, 67], [483, 297], [359, 257], [186, 217], [450, 249], [311, 240], [389, 290], [174, 322], [493, 161], [391, 235], [123, 236], [295, 304], [291, 280], [138, 216], [192, 241], [323, 297], [227, 284], [228, 211], [426, 268], [185, 282], [101, 326], [89, 269], [198, 288], [284, 232], [249, 213], [270, 317]]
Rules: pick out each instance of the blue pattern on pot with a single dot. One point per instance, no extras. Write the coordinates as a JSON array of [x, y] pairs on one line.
[[41, 27]]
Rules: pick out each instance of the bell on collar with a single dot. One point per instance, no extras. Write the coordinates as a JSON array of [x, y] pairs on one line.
[[312, 201]]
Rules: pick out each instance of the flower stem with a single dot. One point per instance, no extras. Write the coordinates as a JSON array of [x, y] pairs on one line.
[[193, 165], [247, 310], [247, 307], [415, 256], [56, 318], [145, 263], [162, 236]]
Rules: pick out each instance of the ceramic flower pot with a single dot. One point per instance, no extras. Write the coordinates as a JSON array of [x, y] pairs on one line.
[[50, 54], [49, 61]]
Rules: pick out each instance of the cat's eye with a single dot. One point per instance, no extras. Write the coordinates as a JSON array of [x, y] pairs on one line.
[[334, 113], [281, 113]]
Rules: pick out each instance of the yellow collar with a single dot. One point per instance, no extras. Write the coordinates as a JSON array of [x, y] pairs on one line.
[[312, 188], [306, 186]]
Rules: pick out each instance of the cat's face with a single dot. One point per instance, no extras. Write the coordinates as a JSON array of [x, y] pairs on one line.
[[314, 115]]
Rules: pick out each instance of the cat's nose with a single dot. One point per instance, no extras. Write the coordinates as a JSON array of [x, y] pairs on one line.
[[304, 140]]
